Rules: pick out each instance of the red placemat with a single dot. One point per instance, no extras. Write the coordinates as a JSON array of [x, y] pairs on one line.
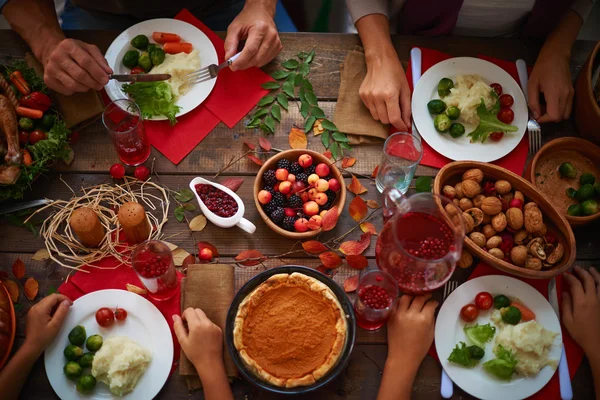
[[574, 352], [515, 160]]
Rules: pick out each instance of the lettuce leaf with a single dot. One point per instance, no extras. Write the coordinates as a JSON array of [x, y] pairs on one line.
[[488, 122], [154, 99], [479, 335], [462, 356], [503, 366]]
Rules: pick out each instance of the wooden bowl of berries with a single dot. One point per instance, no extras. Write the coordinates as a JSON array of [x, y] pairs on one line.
[[509, 223], [294, 189]]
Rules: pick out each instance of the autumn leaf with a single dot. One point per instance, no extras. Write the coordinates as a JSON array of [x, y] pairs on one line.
[[330, 219], [41, 255], [348, 162], [198, 223], [206, 245], [358, 209], [135, 289], [250, 254], [351, 283], [327, 271], [297, 139], [18, 268], [356, 187], [13, 289], [372, 204], [255, 159], [179, 255], [314, 247], [233, 183], [368, 227], [327, 154], [264, 143], [331, 259], [375, 171], [31, 287], [250, 145], [191, 259], [357, 262], [353, 248], [318, 127]]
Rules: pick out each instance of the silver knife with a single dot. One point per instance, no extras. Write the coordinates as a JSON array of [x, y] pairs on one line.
[[566, 390], [23, 206], [140, 77]]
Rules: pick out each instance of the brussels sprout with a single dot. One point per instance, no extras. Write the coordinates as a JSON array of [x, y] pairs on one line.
[[476, 352], [501, 301], [567, 170], [86, 384], [589, 207], [584, 192], [77, 335], [72, 370], [72, 352], [140, 42], [511, 315], [597, 188], [157, 56], [26, 123], [94, 343], [144, 61], [571, 192], [151, 48], [586, 178], [453, 112], [574, 210], [442, 123], [47, 122], [436, 106], [457, 130], [444, 87], [86, 360], [131, 59]]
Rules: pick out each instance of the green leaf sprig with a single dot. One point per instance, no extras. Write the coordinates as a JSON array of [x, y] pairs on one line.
[[183, 197]]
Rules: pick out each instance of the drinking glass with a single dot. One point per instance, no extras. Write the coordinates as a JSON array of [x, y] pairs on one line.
[[402, 152], [153, 262], [376, 295], [123, 120]]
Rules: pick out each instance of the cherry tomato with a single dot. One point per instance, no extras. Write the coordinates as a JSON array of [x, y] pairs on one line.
[[36, 136], [117, 171], [23, 138], [506, 115], [496, 136], [484, 301], [105, 317], [469, 313], [506, 100], [497, 88], [74, 137], [137, 70], [142, 173], [120, 314]]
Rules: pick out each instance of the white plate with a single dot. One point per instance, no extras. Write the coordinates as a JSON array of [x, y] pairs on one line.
[[461, 148], [189, 33], [449, 332], [144, 324]]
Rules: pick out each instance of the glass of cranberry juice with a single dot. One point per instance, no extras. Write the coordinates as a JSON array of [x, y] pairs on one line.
[[376, 295], [123, 120], [153, 262]]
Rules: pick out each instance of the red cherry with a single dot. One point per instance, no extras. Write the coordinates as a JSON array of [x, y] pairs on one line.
[[117, 171]]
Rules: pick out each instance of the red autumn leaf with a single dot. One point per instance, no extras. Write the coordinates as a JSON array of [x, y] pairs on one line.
[[188, 260], [31, 288], [264, 143], [246, 254], [348, 162], [233, 183], [358, 208], [356, 187], [256, 160], [314, 247], [206, 245], [297, 139], [372, 204], [375, 171], [328, 154], [368, 227], [250, 145], [351, 283], [13, 289], [3, 274], [330, 219], [354, 248], [18, 268], [327, 271], [357, 262], [331, 259]]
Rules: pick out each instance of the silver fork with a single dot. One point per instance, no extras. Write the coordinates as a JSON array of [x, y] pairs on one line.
[[446, 386], [533, 127], [208, 73]]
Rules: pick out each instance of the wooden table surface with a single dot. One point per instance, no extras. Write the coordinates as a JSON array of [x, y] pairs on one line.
[[94, 155]]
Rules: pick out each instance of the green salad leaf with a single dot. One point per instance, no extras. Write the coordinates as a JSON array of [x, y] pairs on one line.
[[489, 122], [154, 99], [479, 335], [463, 355], [503, 366]]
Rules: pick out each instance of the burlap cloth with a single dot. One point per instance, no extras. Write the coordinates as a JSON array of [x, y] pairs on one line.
[[210, 287], [351, 115]]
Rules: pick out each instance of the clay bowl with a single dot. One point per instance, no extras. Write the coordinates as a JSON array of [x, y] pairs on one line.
[[554, 220], [293, 155], [551, 156], [13, 323], [586, 109]]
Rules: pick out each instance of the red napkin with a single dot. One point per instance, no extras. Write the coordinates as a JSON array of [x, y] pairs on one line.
[[574, 353], [515, 160]]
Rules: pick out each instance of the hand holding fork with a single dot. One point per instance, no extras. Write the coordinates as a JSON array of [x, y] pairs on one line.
[[208, 73]]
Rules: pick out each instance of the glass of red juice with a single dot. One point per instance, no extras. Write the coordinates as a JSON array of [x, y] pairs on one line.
[[123, 121], [421, 241], [376, 295], [153, 262]]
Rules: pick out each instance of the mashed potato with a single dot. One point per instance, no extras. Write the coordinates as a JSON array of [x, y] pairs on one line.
[[119, 364], [466, 94], [178, 65]]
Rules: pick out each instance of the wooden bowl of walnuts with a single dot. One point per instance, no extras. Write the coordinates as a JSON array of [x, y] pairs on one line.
[[509, 223]]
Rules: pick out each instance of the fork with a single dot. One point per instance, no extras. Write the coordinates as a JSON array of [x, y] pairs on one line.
[[533, 127], [446, 386], [208, 73]]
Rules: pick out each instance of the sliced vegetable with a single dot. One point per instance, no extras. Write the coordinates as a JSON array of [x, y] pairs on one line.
[[164, 37], [29, 113], [442, 123], [175, 48], [479, 335], [154, 99], [17, 79], [503, 366]]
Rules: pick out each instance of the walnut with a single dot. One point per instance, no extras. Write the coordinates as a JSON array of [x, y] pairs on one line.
[[459, 192], [487, 219], [478, 238], [449, 191], [488, 231], [556, 255], [536, 248], [514, 218], [465, 204], [476, 214], [466, 260], [470, 188], [533, 263], [491, 205], [450, 209], [499, 222], [474, 174], [519, 195], [496, 253], [518, 255], [493, 242], [507, 198], [456, 202], [477, 200], [533, 218], [502, 187], [521, 237], [469, 222], [543, 230], [530, 205]]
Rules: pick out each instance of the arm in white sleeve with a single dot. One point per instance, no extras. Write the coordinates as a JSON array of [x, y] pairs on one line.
[[360, 8], [583, 8]]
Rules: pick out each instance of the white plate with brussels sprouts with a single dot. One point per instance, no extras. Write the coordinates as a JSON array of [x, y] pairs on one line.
[[94, 322], [469, 109]]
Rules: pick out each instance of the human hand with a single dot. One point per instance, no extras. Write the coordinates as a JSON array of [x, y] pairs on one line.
[[44, 320], [255, 25], [385, 91], [581, 309], [73, 66]]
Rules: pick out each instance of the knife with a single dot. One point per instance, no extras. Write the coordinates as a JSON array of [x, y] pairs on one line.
[[23, 206], [415, 67], [140, 77], [566, 390]]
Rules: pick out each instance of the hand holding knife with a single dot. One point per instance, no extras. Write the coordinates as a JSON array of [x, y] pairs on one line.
[[140, 77]]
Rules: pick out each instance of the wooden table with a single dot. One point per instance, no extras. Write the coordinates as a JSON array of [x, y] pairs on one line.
[[94, 155]]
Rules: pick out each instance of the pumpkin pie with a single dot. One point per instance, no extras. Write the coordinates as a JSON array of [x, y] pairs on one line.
[[291, 330]]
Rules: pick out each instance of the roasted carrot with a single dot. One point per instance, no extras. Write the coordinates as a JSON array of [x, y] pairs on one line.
[[174, 48], [164, 37], [29, 113], [27, 160], [17, 79]]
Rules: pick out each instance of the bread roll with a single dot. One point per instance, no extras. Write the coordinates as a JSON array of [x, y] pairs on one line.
[[134, 222], [87, 226]]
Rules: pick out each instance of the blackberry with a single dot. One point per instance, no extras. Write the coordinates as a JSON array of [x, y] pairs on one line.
[[269, 207], [310, 170], [295, 201], [302, 177], [269, 178], [278, 199], [288, 223], [283, 163], [295, 168], [331, 196], [277, 215], [270, 190]]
